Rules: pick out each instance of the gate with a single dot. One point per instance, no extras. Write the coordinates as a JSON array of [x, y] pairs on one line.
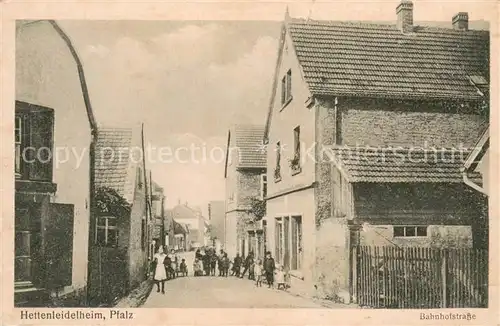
[[416, 277]]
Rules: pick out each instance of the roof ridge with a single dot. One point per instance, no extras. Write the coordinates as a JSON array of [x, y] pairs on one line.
[[375, 24]]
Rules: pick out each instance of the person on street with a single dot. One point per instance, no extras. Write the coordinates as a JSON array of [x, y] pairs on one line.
[[206, 263], [269, 267], [198, 255], [225, 265], [160, 269], [197, 267], [220, 263], [280, 278], [183, 267], [236, 266], [213, 263], [248, 266], [258, 271], [173, 263]]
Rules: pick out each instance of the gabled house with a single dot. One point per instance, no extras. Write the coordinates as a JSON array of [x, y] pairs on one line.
[[191, 216], [478, 161], [54, 128], [370, 126], [119, 232], [246, 185]]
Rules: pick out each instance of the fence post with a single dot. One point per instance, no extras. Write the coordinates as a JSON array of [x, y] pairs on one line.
[[354, 279], [444, 277]]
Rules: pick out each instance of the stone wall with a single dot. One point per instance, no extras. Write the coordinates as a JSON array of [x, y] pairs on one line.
[[332, 260], [390, 123]]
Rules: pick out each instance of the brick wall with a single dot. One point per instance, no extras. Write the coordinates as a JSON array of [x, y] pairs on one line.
[[383, 124], [248, 186]]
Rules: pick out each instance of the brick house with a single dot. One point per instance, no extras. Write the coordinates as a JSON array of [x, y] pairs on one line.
[[52, 194], [119, 243], [350, 101], [246, 180]]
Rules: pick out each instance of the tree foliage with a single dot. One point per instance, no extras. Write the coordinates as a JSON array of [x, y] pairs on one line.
[[110, 202], [258, 208]]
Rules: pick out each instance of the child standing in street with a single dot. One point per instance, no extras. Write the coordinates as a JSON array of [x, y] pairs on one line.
[[280, 278], [258, 272]]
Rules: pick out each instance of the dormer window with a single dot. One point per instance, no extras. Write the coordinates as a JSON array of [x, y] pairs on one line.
[[286, 88]]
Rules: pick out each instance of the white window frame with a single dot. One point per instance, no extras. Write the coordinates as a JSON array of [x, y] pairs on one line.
[[405, 227], [263, 185], [288, 237], [107, 228]]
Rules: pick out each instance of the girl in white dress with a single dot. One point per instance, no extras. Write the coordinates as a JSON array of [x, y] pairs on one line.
[[160, 270]]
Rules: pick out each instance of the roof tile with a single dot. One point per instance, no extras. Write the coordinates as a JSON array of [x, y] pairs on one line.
[[362, 59]]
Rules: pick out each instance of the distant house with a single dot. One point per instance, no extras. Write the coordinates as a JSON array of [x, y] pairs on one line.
[[119, 243], [367, 123], [184, 214], [158, 202], [52, 197], [181, 236], [246, 183]]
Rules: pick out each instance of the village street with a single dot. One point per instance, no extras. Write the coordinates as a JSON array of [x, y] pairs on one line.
[[219, 292]]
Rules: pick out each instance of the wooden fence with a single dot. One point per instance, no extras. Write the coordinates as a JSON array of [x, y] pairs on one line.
[[415, 277]]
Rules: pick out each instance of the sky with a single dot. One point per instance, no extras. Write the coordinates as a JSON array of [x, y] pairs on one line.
[[188, 81]]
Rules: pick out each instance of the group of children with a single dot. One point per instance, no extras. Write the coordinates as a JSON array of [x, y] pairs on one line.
[[206, 261]]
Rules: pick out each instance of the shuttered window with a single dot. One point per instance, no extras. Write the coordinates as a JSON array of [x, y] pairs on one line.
[[34, 137], [57, 236], [23, 247], [296, 252], [286, 88]]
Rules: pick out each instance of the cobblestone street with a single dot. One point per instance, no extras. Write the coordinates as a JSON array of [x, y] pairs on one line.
[[219, 292]]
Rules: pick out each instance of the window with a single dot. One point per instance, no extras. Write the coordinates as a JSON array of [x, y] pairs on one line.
[[279, 241], [296, 254], [107, 231], [277, 170], [18, 132], [286, 88], [295, 163], [23, 247], [263, 186], [289, 242], [143, 233], [410, 231], [33, 138]]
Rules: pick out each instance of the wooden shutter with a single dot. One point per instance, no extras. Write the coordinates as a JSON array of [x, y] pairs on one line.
[[41, 141], [286, 242], [294, 243], [58, 245]]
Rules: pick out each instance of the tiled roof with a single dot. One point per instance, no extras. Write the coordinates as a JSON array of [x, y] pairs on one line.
[[401, 165], [111, 161], [180, 228], [362, 59], [248, 141]]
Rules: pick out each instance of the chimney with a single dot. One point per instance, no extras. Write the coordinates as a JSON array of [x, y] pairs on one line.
[[404, 12], [461, 21]]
